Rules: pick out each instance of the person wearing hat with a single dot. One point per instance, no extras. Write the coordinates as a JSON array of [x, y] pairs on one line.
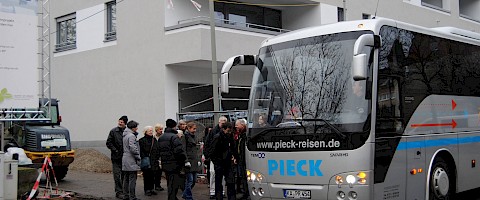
[[115, 144], [172, 156]]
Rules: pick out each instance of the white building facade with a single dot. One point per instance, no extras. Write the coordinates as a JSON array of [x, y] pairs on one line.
[[150, 60]]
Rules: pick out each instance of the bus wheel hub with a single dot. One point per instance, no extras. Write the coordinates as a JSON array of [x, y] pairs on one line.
[[440, 182]]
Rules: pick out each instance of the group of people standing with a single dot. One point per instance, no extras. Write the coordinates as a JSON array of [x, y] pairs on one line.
[[224, 152], [174, 151]]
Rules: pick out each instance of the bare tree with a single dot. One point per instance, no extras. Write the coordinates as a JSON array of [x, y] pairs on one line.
[[314, 74]]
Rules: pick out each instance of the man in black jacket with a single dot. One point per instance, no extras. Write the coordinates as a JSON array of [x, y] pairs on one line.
[[115, 144], [222, 156], [172, 156], [207, 152]]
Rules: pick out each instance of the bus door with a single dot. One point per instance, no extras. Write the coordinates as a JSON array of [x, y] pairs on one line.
[[416, 170]]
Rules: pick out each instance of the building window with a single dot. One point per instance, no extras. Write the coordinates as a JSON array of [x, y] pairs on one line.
[[111, 33], [248, 16], [365, 16], [468, 9], [341, 14], [442, 5], [66, 33]]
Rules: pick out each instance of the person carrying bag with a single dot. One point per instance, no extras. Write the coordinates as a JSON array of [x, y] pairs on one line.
[[146, 148], [145, 162]]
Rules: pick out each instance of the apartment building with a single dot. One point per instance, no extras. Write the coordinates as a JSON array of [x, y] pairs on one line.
[[152, 59]]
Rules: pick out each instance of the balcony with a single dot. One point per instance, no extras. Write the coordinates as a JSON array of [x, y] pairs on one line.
[[192, 38], [204, 20]]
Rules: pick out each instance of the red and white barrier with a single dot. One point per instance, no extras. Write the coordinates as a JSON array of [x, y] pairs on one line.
[[46, 170]]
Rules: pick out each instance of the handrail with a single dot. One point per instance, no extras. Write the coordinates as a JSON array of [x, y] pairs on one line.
[[233, 23]]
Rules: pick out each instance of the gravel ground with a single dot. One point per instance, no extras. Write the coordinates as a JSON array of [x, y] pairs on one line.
[[91, 160]]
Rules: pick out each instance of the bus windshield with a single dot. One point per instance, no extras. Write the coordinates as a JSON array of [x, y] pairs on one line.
[[303, 93]]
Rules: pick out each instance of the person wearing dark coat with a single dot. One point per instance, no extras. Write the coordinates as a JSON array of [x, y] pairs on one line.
[[240, 139], [208, 151], [157, 171], [147, 148], [115, 144], [193, 157], [206, 162], [223, 157], [130, 160], [172, 156]]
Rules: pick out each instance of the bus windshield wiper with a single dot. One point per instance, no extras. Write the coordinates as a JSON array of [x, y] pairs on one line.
[[333, 127]]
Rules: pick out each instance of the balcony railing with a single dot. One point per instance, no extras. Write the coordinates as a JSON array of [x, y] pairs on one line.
[[228, 24], [67, 45]]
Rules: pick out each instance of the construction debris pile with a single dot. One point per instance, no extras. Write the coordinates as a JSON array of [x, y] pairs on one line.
[[91, 160]]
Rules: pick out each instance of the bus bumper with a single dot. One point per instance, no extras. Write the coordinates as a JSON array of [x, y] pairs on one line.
[[63, 158], [331, 192]]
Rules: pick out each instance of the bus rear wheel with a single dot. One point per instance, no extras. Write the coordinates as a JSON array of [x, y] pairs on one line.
[[442, 180]]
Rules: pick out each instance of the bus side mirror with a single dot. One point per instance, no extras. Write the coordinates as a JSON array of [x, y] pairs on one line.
[[242, 60], [359, 67], [359, 61], [224, 86]]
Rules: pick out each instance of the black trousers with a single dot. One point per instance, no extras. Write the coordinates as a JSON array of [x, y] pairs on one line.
[[224, 170], [242, 179], [175, 181], [148, 180], [117, 177], [157, 178]]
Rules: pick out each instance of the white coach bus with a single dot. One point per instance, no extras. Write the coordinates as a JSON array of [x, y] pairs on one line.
[[371, 109]]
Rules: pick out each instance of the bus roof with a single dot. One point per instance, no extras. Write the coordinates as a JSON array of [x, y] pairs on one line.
[[375, 25]]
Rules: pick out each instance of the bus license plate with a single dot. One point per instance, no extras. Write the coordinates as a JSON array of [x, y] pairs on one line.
[[297, 194]]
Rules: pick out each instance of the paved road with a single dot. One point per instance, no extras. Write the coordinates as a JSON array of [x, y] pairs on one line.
[[100, 186]]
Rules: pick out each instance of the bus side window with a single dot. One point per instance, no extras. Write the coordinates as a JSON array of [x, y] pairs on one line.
[[389, 116]]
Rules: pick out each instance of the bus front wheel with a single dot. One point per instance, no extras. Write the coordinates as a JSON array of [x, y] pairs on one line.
[[442, 180]]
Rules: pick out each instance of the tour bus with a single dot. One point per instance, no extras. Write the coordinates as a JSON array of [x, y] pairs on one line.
[[371, 109]]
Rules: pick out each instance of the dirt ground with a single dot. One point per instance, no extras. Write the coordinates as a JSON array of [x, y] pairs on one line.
[[91, 160]]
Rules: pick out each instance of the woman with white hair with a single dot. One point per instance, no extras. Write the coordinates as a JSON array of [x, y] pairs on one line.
[[147, 145]]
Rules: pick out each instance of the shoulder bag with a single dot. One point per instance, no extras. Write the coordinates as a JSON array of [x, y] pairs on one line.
[[145, 162]]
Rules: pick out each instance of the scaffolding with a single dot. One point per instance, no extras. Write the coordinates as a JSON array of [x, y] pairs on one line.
[[43, 112]]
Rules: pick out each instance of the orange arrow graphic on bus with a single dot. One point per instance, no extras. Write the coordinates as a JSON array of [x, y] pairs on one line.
[[454, 104], [453, 124]]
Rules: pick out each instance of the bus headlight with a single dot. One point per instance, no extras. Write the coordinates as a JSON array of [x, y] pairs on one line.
[[253, 176], [338, 179], [350, 179], [362, 178], [259, 177]]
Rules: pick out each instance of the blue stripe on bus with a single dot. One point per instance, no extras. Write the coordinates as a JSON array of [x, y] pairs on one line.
[[439, 142]]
